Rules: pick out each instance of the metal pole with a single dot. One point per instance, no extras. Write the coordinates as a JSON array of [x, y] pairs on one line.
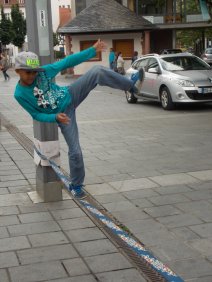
[[40, 41]]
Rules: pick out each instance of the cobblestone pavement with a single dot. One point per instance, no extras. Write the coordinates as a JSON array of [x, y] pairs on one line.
[[150, 168]]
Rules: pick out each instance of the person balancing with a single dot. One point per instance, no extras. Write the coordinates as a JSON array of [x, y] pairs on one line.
[[46, 101]]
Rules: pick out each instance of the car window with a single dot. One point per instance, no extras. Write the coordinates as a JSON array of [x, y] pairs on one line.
[[153, 63], [208, 51], [140, 63], [183, 63]]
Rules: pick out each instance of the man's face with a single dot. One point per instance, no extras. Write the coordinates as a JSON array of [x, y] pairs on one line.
[[27, 77]]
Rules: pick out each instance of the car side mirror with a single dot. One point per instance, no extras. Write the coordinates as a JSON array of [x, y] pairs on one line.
[[153, 70]]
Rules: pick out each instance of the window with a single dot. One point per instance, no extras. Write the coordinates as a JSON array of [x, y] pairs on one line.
[[152, 63], [125, 46], [21, 1], [142, 63], [6, 1], [7, 15], [86, 44]]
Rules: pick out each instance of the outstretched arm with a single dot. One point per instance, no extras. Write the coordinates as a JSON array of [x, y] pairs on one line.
[[75, 59]]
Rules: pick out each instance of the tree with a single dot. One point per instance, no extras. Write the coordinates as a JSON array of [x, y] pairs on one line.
[[6, 33], [55, 39], [18, 26]]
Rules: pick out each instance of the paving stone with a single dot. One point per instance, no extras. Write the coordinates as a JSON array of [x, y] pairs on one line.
[[14, 183], [100, 189], [199, 195], [203, 230], [176, 189], [173, 249], [68, 213], [120, 206], [109, 198], [138, 194], [47, 239], [76, 267], [35, 217], [154, 238], [162, 211], [142, 203], [107, 262], [75, 223], [185, 233], [68, 204], [195, 206], [11, 177], [3, 232], [8, 259], [14, 243], [179, 220], [81, 278], [33, 228], [205, 175], [4, 276], [4, 191], [56, 252], [168, 199], [121, 276], [144, 225], [202, 279], [134, 184], [8, 210], [8, 220], [97, 247], [37, 272], [40, 207], [130, 215], [192, 268], [87, 234], [200, 186], [204, 246], [14, 199], [174, 179], [20, 189]]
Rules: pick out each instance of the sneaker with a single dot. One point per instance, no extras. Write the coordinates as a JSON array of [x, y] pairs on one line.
[[138, 79], [77, 191]]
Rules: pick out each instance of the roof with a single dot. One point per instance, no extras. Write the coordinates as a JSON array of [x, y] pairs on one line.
[[106, 16]]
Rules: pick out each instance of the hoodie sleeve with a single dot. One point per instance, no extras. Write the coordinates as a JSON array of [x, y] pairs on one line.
[[70, 61], [36, 114]]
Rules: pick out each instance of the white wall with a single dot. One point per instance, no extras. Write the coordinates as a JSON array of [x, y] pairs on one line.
[[82, 68]]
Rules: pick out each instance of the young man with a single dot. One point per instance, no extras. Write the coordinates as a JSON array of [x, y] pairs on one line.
[[112, 58], [48, 102]]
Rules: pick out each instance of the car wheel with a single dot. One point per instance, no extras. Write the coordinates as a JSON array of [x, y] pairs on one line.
[[166, 99], [131, 99]]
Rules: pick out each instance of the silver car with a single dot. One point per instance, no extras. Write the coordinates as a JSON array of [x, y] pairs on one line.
[[207, 56], [172, 79]]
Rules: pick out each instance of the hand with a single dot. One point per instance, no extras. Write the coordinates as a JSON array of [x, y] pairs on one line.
[[63, 118], [100, 46]]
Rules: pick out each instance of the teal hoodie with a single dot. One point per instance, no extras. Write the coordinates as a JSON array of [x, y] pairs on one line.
[[44, 99]]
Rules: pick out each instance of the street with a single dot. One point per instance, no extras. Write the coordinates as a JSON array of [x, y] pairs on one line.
[[152, 169]]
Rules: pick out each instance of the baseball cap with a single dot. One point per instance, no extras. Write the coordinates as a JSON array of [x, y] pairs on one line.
[[27, 61]]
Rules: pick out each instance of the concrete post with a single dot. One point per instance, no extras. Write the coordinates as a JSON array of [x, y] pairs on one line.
[[40, 41]]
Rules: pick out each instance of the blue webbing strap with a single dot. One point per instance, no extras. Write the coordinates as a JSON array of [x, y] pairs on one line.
[[139, 249]]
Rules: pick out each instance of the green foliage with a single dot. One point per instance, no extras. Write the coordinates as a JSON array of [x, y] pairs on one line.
[[55, 39], [18, 26], [6, 32]]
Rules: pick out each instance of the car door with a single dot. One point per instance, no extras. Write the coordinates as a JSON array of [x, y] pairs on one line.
[[150, 89], [142, 64]]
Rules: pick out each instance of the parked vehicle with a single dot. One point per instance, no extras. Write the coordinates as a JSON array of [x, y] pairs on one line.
[[172, 79], [207, 56], [171, 51]]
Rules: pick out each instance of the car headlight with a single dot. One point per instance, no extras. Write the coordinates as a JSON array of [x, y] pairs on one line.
[[184, 83]]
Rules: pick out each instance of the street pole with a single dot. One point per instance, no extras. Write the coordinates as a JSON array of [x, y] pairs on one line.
[[40, 41]]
